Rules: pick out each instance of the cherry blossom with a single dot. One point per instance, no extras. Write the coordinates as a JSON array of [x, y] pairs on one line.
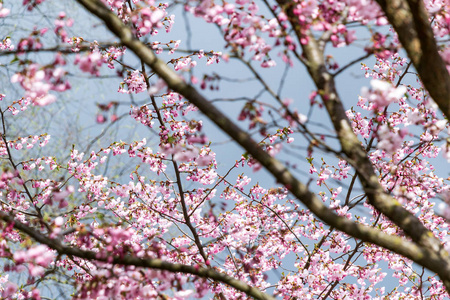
[[308, 194], [90, 63], [4, 11], [382, 93]]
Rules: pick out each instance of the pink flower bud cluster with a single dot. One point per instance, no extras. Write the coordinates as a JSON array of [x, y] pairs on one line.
[[365, 11], [38, 81], [33, 42], [242, 29], [148, 19], [135, 82], [30, 141], [31, 4], [60, 23], [112, 54], [5, 44], [4, 11], [382, 93], [22, 103], [37, 258], [91, 62]]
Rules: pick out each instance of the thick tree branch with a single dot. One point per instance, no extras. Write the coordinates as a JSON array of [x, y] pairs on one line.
[[411, 22], [430, 257], [157, 264]]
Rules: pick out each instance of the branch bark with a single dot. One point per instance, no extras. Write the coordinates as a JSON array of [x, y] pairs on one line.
[[411, 22]]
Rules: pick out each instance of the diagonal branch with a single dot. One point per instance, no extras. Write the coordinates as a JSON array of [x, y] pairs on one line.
[[430, 257]]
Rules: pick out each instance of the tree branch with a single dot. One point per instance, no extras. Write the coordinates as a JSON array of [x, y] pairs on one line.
[[410, 21]]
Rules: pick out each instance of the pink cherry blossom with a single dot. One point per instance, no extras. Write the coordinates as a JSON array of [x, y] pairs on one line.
[[3, 11], [90, 63], [382, 93], [9, 291], [115, 209]]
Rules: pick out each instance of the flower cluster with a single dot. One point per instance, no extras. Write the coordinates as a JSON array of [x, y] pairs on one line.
[[382, 94], [37, 258], [90, 63], [170, 199], [135, 82], [38, 81]]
